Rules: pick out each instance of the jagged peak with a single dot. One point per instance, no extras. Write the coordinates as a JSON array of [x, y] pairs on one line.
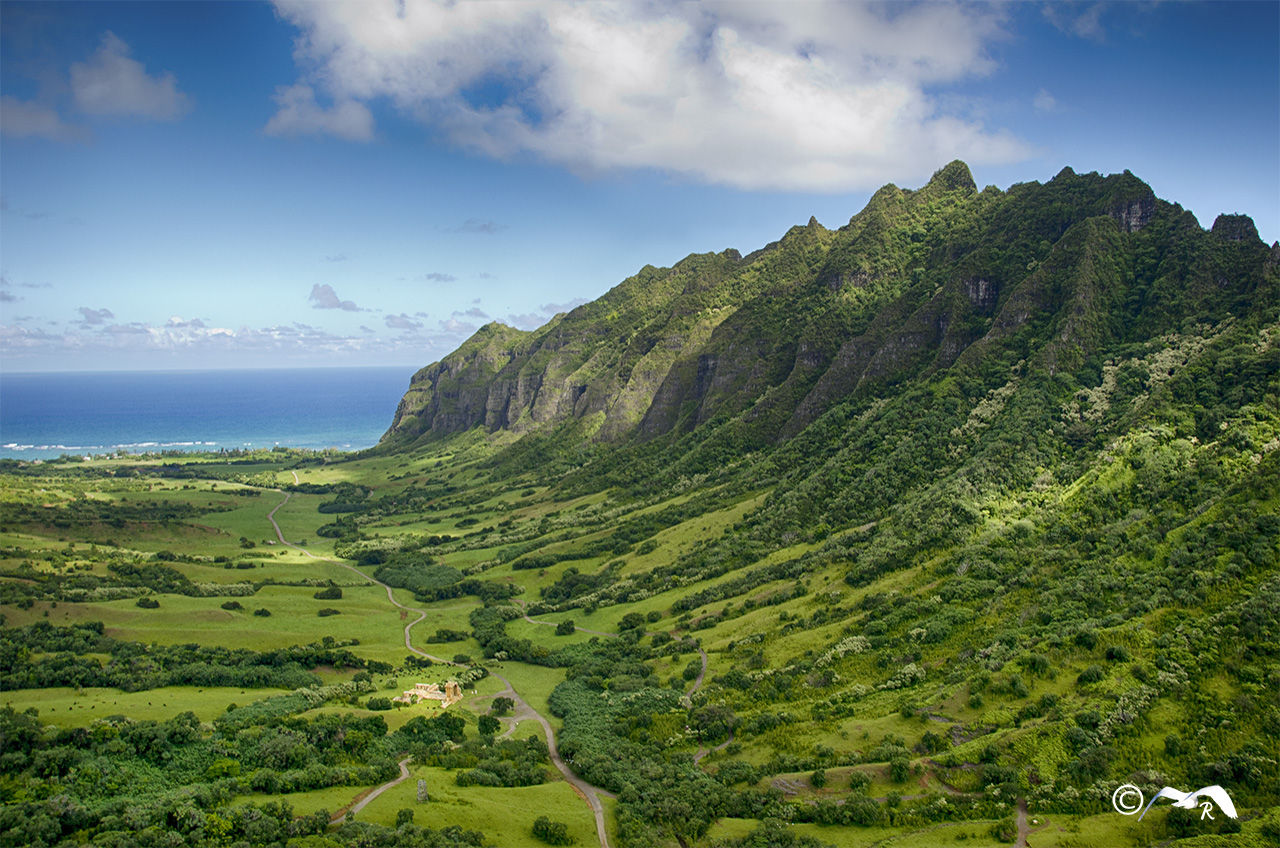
[[954, 176], [1235, 228]]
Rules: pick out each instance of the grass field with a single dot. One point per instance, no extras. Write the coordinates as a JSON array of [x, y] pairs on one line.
[[505, 815], [66, 707]]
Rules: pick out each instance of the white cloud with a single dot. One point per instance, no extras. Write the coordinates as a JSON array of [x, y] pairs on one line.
[[25, 119], [194, 342], [324, 297], [1044, 102], [94, 316], [300, 114], [1070, 19], [111, 83], [457, 328], [568, 305], [526, 320], [807, 96], [547, 311], [402, 322], [473, 312]]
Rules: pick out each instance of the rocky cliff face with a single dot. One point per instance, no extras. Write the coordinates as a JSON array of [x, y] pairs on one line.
[[942, 277]]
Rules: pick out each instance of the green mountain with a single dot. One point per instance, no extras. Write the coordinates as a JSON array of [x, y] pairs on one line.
[[1017, 450], [944, 279]]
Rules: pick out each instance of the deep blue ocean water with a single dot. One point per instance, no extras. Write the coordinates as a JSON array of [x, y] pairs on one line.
[[45, 415]]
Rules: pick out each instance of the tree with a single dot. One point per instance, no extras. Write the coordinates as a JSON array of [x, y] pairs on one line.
[[631, 621], [565, 628], [898, 770], [502, 705], [489, 725], [552, 832], [818, 779]]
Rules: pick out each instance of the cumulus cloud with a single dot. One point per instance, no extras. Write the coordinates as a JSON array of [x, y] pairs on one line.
[[402, 322], [438, 277], [94, 316], [473, 312], [27, 119], [335, 257], [797, 96], [176, 323], [324, 297], [300, 114], [16, 338], [111, 83], [8, 297]]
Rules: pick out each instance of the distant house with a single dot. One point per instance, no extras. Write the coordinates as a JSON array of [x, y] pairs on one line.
[[452, 694]]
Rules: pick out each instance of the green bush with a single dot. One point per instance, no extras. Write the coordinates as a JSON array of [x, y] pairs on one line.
[[1005, 830], [899, 771], [552, 832], [328, 611], [1092, 674]]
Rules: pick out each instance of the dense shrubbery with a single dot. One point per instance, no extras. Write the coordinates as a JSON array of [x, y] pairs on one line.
[[67, 661], [146, 777]]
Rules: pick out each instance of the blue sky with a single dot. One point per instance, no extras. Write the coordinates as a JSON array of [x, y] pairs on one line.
[[229, 185]]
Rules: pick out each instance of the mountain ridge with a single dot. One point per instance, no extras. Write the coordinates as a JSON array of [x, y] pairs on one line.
[[918, 281]]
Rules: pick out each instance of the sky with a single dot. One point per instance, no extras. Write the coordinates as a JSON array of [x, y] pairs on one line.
[[202, 185]]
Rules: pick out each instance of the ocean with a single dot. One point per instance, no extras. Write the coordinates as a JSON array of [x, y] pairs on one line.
[[45, 415]]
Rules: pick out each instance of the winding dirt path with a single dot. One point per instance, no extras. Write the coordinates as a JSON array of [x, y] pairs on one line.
[[520, 604], [697, 683], [364, 799], [590, 794]]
